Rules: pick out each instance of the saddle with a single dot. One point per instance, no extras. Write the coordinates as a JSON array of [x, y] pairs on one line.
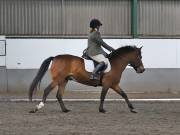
[[95, 63], [86, 56]]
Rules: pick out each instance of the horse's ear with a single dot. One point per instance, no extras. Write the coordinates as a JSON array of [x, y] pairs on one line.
[[141, 47]]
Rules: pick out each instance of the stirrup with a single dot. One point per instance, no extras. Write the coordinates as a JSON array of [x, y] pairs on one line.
[[95, 77]]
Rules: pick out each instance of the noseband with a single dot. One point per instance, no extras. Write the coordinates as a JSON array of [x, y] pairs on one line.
[[134, 66]]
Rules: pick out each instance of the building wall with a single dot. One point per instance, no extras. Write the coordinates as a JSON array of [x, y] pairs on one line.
[[71, 17], [152, 80], [63, 17], [29, 53], [159, 17], [161, 58]]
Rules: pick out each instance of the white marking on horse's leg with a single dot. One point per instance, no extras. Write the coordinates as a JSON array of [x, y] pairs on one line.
[[41, 105]]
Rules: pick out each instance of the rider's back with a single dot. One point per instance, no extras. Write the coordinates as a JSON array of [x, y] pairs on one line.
[[94, 48]]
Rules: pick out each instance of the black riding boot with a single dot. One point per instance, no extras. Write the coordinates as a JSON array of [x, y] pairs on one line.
[[99, 67]]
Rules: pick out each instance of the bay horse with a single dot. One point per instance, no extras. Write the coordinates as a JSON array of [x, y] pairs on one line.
[[68, 67]]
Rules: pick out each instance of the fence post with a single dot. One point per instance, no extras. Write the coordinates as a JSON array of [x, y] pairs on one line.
[[134, 8]]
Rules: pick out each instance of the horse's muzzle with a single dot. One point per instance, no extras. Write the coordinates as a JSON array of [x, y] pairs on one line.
[[140, 69]]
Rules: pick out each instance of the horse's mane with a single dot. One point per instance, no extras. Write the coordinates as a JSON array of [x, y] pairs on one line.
[[121, 51]]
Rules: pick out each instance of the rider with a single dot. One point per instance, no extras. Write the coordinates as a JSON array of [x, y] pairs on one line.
[[95, 50]]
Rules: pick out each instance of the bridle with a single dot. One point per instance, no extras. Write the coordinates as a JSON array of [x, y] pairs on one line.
[[134, 66], [130, 64]]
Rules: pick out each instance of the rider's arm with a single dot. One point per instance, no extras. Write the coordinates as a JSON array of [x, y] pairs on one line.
[[97, 38]]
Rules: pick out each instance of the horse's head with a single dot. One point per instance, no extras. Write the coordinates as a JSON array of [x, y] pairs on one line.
[[136, 60], [129, 54]]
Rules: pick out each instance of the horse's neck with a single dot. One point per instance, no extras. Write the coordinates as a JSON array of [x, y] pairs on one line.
[[120, 65]]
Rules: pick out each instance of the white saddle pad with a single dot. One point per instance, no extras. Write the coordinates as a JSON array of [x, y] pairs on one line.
[[89, 66]]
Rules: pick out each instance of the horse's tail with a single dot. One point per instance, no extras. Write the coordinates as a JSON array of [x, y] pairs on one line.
[[39, 76]]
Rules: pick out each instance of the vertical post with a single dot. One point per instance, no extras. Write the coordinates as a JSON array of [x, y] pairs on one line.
[[63, 17], [134, 4]]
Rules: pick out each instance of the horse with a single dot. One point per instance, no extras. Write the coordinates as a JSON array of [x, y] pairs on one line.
[[68, 67]]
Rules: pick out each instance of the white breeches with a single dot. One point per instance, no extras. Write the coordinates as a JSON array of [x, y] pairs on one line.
[[100, 58]]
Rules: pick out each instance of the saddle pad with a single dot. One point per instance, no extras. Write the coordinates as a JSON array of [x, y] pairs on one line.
[[89, 66]]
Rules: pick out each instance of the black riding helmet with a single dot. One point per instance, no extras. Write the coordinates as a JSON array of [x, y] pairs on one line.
[[94, 23]]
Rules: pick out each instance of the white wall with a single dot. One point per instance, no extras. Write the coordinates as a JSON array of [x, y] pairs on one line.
[[2, 51], [29, 53]]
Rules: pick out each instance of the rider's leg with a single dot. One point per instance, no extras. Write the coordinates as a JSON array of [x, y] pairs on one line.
[[100, 67]]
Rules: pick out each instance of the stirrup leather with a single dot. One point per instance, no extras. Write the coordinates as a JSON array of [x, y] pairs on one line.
[[95, 77]]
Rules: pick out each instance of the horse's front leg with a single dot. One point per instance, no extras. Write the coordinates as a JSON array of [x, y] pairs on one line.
[[123, 94], [102, 97]]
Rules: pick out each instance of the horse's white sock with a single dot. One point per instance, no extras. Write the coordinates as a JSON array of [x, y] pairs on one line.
[[41, 105]]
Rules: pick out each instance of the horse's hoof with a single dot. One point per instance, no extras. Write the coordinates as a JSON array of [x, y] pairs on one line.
[[32, 111], [133, 110], [102, 110], [66, 111]]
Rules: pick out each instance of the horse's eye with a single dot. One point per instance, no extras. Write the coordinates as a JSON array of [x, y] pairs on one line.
[[139, 57]]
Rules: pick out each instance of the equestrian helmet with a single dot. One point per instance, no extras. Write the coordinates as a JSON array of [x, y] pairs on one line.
[[94, 23]]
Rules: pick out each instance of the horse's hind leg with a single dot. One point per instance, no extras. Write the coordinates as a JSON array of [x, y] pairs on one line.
[[47, 90], [123, 94], [59, 96], [103, 95]]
